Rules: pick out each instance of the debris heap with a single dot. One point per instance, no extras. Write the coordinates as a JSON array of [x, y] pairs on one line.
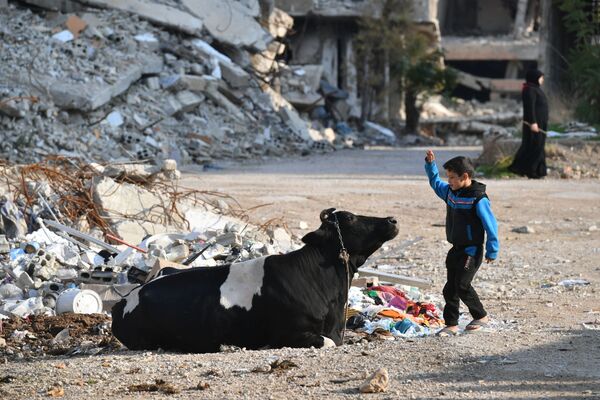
[[157, 81]]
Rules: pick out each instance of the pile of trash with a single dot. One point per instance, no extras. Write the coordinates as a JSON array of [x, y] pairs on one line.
[[392, 312], [106, 84]]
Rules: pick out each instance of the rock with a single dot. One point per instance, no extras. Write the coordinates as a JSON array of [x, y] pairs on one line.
[[235, 76], [198, 83], [125, 199], [133, 231], [232, 22], [155, 12], [523, 229], [376, 383], [90, 96], [279, 23]]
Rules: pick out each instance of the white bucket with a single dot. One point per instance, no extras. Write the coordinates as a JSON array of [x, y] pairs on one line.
[[79, 302]]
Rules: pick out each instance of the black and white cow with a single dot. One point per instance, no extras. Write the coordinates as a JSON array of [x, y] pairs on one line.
[[295, 300]]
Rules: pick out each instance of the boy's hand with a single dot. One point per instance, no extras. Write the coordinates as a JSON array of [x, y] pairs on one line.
[[489, 260], [429, 156]]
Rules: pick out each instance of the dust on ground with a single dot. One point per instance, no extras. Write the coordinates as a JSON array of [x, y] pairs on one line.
[[546, 338]]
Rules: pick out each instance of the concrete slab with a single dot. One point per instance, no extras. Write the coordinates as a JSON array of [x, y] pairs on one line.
[[232, 22]]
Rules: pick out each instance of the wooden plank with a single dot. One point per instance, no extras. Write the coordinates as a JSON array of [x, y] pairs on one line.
[[393, 278]]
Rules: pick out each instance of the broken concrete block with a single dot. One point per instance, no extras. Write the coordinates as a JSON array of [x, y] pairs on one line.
[[231, 22], [235, 76], [88, 97], [222, 101], [230, 239], [279, 23], [24, 281], [288, 114], [147, 40], [169, 165], [282, 240], [208, 52], [16, 108], [133, 231], [109, 294], [124, 199], [160, 264], [160, 14], [188, 100], [135, 172]]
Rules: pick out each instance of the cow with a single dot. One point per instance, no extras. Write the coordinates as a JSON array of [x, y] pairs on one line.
[[289, 300]]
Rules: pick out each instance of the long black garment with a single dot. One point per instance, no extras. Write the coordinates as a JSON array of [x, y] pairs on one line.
[[530, 159]]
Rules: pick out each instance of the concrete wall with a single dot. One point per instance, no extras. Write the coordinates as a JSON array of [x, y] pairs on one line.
[[475, 17]]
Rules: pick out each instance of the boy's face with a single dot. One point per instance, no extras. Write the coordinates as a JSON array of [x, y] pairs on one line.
[[456, 181]]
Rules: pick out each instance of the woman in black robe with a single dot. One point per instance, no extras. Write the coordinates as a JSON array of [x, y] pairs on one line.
[[530, 159]]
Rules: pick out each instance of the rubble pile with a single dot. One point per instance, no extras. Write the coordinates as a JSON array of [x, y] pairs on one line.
[[129, 229], [106, 84]]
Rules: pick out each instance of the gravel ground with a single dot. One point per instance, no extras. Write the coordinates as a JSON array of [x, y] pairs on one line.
[[538, 348]]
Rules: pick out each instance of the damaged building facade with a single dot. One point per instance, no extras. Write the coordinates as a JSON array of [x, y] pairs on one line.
[[321, 45], [489, 43]]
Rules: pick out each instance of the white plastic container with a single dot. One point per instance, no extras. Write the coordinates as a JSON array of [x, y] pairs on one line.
[[79, 302]]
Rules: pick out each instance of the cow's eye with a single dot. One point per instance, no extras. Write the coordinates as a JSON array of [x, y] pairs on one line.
[[348, 217]]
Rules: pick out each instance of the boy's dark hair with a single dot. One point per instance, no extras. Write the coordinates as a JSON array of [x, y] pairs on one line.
[[459, 165]]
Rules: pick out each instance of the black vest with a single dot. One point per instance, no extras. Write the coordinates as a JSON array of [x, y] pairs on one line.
[[463, 226]]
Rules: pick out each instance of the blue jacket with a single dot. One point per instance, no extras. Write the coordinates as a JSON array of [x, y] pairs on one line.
[[464, 227]]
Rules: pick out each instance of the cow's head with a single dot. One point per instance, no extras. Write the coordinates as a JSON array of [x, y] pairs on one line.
[[361, 235]]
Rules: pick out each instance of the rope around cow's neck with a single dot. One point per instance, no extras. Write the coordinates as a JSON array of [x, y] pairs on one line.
[[345, 257]]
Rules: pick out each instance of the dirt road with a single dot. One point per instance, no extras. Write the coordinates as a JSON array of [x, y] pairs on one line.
[[538, 349]]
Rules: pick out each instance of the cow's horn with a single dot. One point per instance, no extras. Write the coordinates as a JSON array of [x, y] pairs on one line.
[[325, 214]]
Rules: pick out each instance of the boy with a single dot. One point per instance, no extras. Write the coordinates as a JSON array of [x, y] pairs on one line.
[[468, 215]]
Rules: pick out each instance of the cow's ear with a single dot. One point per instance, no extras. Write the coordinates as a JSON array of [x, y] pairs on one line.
[[315, 238]]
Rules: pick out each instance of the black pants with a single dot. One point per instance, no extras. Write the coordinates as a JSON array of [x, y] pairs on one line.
[[461, 270]]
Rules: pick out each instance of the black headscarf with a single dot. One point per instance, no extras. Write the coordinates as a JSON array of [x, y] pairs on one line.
[[533, 76]]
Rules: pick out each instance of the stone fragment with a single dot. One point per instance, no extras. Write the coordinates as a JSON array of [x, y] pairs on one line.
[[235, 76], [154, 12], [124, 199], [233, 22], [523, 229], [376, 383]]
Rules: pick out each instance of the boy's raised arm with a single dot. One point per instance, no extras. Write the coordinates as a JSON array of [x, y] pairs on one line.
[[439, 187], [492, 244]]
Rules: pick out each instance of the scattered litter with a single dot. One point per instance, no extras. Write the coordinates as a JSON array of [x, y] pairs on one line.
[[64, 36], [594, 326], [389, 309], [569, 283], [159, 385]]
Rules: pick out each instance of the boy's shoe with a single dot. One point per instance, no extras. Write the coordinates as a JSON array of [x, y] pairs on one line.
[[476, 325], [447, 331]]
